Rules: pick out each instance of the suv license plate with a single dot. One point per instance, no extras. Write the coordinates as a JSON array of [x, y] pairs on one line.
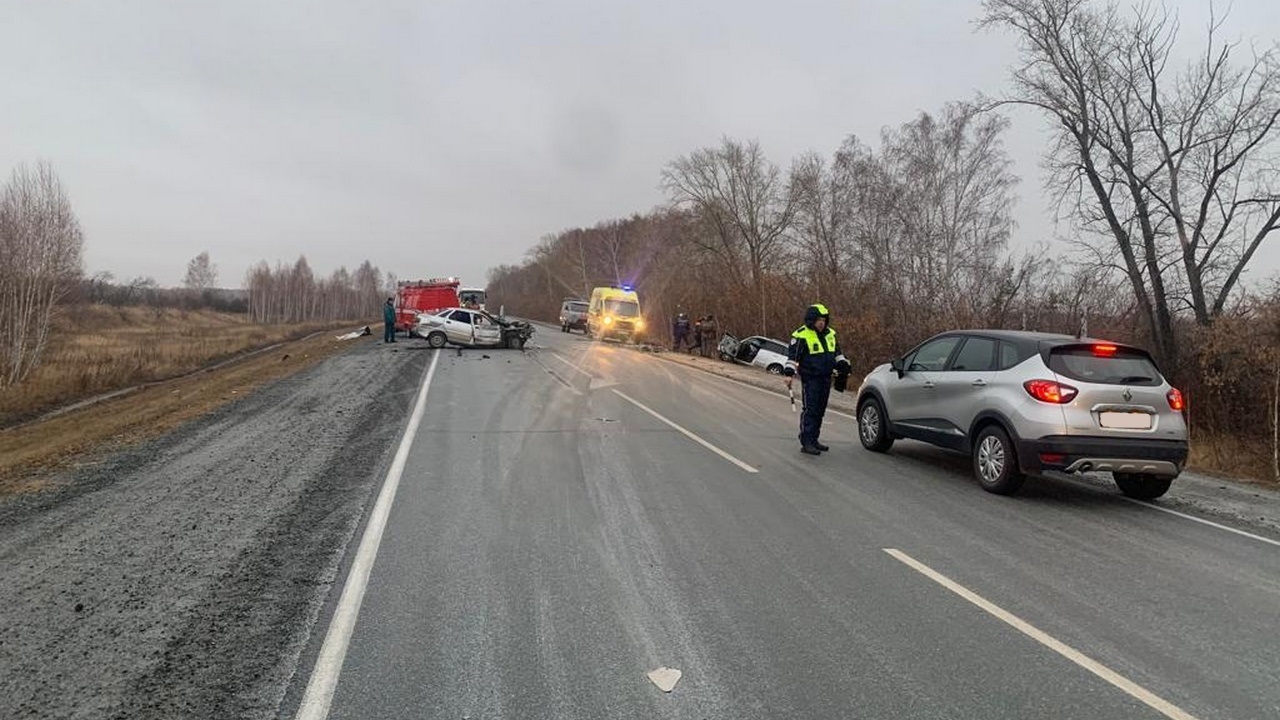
[[1125, 420]]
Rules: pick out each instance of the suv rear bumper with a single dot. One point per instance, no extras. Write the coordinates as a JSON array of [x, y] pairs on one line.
[[1072, 453]]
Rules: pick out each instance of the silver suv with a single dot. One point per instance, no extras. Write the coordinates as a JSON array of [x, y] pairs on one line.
[[1024, 403]]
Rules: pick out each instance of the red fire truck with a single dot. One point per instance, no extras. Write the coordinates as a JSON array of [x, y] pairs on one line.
[[423, 296]]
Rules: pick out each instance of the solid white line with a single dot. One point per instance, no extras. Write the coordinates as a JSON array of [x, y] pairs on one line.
[[1157, 703], [1202, 521], [686, 433], [556, 355], [324, 677]]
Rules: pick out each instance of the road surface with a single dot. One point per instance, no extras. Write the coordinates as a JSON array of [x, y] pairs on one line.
[[567, 519]]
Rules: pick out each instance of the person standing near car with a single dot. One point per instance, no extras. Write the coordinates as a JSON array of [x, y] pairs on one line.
[[696, 345], [389, 321], [814, 355], [680, 331], [709, 333]]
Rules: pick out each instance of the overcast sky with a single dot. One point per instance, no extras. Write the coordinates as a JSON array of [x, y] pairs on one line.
[[442, 138]]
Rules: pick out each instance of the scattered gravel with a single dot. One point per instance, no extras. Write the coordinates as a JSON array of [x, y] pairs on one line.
[[181, 579]]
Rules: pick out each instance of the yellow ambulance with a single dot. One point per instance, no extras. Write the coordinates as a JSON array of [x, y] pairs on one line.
[[614, 312]]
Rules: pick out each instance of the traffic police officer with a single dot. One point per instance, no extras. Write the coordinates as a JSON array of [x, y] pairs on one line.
[[814, 355]]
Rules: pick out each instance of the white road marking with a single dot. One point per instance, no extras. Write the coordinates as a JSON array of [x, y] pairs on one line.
[[757, 388], [556, 355], [686, 433], [1157, 703], [665, 678], [1210, 523], [594, 382], [324, 677]]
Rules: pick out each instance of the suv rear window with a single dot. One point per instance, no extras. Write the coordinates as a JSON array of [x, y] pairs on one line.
[[1118, 366], [575, 307]]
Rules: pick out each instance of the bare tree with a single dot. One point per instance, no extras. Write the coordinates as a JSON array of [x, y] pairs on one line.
[[367, 282], [257, 281], [1175, 167], [100, 286], [612, 240], [201, 273], [304, 290], [745, 201], [823, 197], [40, 261]]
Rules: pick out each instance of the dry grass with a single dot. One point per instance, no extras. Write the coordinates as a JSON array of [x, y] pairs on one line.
[[28, 453], [97, 349], [1245, 459]]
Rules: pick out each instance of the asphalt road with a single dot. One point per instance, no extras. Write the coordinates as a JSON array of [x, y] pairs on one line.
[[554, 537]]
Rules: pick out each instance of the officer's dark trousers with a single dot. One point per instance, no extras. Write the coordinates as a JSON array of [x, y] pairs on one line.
[[815, 391], [389, 332]]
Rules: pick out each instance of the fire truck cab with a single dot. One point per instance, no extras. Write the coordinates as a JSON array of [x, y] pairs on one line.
[[415, 297]]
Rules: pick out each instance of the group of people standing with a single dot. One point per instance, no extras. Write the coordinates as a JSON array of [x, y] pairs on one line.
[[698, 335]]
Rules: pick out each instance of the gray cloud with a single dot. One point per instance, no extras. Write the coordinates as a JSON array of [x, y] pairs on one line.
[[445, 137]]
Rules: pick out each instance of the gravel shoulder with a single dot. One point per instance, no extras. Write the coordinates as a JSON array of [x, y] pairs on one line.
[[181, 578]]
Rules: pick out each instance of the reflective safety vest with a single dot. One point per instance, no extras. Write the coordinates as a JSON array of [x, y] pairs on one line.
[[813, 342], [812, 354]]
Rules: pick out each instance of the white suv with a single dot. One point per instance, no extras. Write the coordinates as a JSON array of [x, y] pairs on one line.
[[1023, 403]]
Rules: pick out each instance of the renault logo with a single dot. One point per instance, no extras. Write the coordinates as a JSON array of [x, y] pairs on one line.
[[1127, 395]]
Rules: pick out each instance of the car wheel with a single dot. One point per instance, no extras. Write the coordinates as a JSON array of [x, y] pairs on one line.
[[774, 369], [995, 463], [437, 340], [1142, 487], [726, 357], [873, 428]]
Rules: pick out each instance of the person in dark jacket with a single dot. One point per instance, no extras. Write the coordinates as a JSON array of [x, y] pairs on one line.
[[680, 331], [709, 328], [814, 355], [389, 321]]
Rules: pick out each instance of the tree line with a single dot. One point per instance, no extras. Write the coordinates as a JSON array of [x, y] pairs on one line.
[[283, 293], [1163, 172], [293, 293], [41, 270]]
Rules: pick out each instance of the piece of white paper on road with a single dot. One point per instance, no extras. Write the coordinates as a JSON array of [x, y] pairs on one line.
[[665, 678]]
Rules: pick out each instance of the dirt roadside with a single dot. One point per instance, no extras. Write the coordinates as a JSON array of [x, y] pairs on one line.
[[179, 578]]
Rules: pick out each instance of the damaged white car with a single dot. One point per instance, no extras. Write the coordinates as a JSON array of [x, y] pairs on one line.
[[472, 328]]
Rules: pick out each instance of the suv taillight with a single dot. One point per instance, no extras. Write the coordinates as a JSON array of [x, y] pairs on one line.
[[1176, 401], [1050, 391]]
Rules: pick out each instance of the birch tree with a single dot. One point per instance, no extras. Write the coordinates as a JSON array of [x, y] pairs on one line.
[[40, 261]]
